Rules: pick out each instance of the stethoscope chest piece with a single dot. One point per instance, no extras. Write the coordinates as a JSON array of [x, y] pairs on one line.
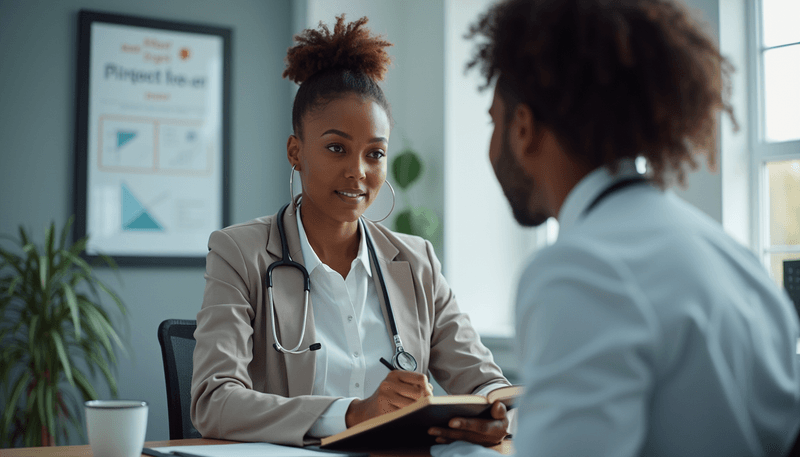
[[403, 360]]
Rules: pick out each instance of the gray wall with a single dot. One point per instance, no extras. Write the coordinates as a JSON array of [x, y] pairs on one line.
[[38, 49]]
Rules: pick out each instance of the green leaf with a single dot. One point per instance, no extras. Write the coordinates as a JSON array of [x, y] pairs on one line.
[[65, 231], [104, 367], [62, 355], [12, 401], [33, 326], [23, 236], [72, 302], [39, 400], [110, 293], [49, 241], [85, 267], [12, 287], [419, 221], [406, 168], [95, 321], [424, 222], [30, 249], [50, 409], [13, 260], [43, 270], [79, 246], [86, 388], [402, 223]]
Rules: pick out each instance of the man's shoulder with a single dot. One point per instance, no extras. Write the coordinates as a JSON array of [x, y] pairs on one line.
[[573, 257]]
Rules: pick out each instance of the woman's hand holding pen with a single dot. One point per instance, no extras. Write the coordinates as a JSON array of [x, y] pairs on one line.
[[399, 389], [487, 432]]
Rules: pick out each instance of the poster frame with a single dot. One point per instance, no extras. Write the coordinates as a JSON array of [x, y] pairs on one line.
[[82, 196]]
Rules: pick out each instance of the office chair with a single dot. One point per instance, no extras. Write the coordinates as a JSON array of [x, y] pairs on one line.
[[795, 450], [176, 338]]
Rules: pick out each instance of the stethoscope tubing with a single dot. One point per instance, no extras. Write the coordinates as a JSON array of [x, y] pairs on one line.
[[286, 261]]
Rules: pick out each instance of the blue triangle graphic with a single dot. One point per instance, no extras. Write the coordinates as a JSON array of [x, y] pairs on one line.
[[124, 137], [144, 222], [134, 215], [131, 207]]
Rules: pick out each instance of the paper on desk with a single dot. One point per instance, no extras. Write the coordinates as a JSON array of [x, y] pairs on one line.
[[247, 450]]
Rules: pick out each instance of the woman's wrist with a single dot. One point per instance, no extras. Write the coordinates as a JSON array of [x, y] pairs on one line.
[[353, 414]]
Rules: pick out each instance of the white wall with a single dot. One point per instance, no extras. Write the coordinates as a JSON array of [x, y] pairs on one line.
[[485, 249], [737, 202]]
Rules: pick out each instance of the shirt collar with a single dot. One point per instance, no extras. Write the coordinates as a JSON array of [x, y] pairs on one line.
[[588, 188], [310, 257]]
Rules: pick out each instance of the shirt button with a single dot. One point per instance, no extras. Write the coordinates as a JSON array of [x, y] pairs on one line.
[[355, 354], [358, 385], [349, 318]]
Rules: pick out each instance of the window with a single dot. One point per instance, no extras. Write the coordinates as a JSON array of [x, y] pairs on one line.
[[775, 124]]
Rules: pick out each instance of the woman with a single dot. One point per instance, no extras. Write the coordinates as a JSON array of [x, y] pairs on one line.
[[276, 364]]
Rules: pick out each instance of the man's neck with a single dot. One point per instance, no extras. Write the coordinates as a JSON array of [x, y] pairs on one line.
[[558, 185]]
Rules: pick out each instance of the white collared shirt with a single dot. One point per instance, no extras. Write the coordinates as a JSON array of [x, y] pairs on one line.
[[646, 330], [350, 326]]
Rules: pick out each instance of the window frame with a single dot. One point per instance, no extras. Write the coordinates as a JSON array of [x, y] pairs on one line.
[[762, 152]]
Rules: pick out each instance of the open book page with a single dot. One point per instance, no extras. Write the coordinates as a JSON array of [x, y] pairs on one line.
[[247, 450], [507, 395]]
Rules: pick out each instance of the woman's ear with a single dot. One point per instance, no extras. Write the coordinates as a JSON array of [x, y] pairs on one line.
[[293, 151]]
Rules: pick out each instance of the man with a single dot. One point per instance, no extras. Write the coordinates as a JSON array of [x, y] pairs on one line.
[[645, 329]]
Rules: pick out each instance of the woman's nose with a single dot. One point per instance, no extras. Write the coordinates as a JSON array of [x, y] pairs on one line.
[[357, 168]]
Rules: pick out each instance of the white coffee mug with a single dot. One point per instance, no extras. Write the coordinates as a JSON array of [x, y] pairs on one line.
[[116, 428]]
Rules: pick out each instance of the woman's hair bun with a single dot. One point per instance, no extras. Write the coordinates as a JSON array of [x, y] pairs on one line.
[[350, 47]]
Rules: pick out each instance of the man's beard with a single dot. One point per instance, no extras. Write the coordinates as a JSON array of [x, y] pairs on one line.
[[517, 187]]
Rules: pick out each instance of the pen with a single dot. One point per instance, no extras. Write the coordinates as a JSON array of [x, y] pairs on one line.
[[388, 365], [391, 368]]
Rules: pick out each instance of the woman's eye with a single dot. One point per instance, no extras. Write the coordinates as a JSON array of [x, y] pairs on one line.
[[377, 154], [335, 148]]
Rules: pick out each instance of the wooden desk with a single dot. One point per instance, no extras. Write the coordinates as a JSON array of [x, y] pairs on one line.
[[86, 451]]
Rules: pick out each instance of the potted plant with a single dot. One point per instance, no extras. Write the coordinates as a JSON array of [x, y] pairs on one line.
[[53, 328]]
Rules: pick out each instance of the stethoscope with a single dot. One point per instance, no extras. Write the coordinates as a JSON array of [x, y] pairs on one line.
[[401, 360], [615, 187]]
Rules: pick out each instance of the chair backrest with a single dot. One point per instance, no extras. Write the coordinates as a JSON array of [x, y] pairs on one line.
[[795, 450], [176, 338]]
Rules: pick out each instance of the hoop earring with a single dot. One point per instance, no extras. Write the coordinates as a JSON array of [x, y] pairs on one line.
[[390, 211], [291, 189]]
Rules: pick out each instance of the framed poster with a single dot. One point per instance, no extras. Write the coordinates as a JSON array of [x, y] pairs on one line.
[[152, 135]]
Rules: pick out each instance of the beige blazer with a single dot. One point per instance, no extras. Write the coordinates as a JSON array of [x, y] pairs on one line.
[[242, 389]]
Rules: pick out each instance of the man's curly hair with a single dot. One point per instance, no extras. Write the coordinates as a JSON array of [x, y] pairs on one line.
[[612, 79], [328, 65]]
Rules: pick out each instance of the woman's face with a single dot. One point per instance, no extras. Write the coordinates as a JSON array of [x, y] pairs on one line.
[[341, 157]]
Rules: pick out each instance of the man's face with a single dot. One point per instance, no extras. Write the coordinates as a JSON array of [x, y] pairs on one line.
[[519, 189]]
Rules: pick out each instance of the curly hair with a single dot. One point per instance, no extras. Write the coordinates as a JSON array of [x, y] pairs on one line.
[[611, 79], [328, 65]]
